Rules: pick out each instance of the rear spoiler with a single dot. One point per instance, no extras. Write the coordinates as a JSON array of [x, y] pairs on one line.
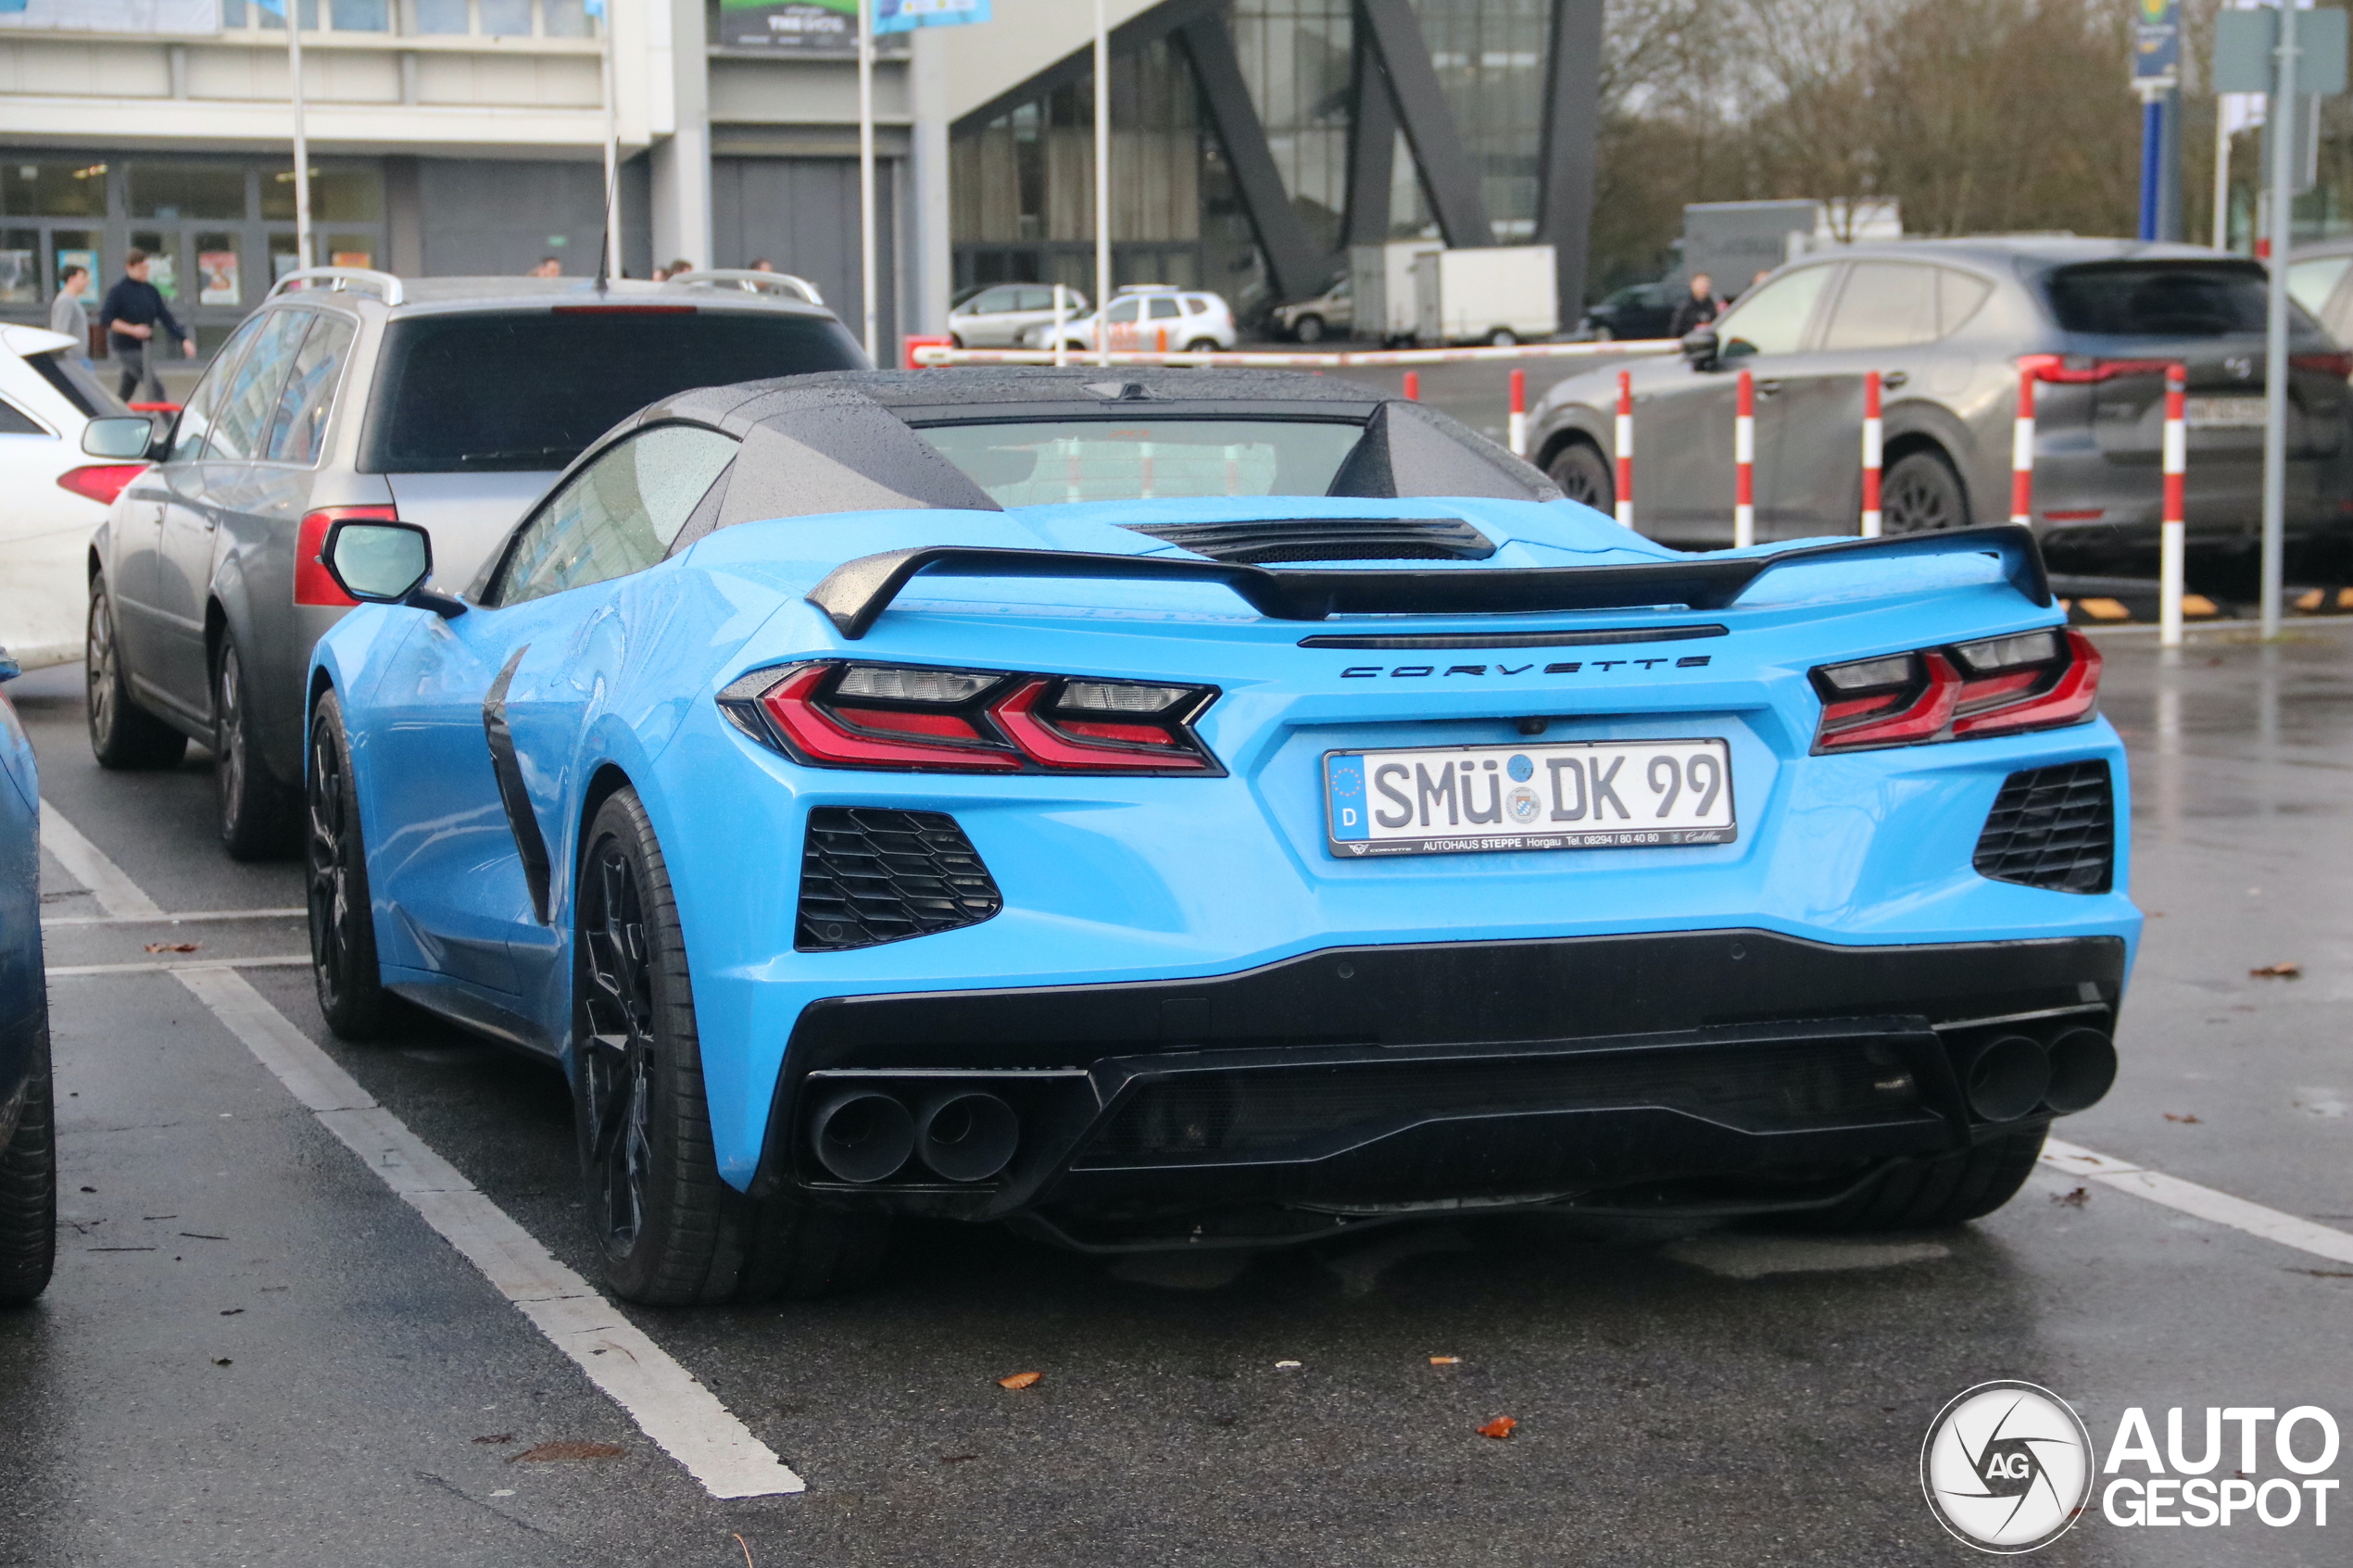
[[856, 593]]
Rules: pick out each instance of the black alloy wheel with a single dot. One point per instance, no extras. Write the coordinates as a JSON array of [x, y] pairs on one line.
[[342, 926], [124, 736], [253, 816], [28, 1185], [1922, 495], [1583, 475], [672, 1231]]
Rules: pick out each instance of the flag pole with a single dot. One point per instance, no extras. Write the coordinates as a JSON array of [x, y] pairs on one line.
[[612, 152], [303, 257], [866, 177], [1103, 186]]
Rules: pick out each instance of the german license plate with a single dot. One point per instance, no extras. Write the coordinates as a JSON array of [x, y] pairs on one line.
[[1457, 800], [2210, 412]]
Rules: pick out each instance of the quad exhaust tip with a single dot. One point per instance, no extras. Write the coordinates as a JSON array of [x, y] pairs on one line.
[[2082, 1070], [2007, 1077], [862, 1135], [867, 1135]]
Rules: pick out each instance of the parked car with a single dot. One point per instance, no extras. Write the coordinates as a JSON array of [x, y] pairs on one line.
[[56, 496], [1636, 311], [2320, 278], [1062, 842], [1949, 324], [1330, 314], [27, 1124], [447, 402], [996, 318], [1147, 317]]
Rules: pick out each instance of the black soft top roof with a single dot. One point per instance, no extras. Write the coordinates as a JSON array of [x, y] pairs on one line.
[[845, 441]]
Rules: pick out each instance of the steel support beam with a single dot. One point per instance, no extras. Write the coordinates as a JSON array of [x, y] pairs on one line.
[[1372, 151], [1565, 158], [1447, 172], [1295, 266]]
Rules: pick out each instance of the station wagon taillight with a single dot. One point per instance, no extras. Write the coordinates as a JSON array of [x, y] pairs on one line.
[[312, 582], [1995, 686], [909, 718], [100, 482]]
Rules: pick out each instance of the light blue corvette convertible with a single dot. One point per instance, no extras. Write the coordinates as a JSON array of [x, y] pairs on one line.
[[1193, 808]]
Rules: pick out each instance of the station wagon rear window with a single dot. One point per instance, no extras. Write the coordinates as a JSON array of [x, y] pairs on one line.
[[2160, 298], [531, 390]]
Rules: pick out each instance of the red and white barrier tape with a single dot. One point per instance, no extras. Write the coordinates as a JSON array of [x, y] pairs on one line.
[[2022, 452], [1624, 441], [1744, 463], [1516, 431]]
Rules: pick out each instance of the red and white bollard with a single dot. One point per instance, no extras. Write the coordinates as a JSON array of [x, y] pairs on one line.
[[1413, 386], [1516, 429], [1744, 463], [2170, 528], [2022, 452], [1870, 453], [1623, 439]]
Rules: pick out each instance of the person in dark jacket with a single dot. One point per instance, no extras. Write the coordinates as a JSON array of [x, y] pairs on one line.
[[132, 311], [1697, 309]]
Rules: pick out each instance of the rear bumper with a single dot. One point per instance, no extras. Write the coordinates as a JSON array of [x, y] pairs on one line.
[[1729, 1068]]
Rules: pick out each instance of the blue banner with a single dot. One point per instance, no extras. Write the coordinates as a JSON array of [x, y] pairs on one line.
[[905, 16]]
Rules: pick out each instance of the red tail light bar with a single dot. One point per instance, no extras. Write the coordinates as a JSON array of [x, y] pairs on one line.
[[905, 717], [312, 585], [100, 482], [1999, 686], [2077, 369]]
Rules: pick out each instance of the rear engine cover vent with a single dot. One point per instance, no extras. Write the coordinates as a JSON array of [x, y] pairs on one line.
[[2052, 828], [1328, 538], [870, 876]]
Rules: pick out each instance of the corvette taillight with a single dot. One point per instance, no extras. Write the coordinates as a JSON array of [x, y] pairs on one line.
[[906, 718], [1998, 686]]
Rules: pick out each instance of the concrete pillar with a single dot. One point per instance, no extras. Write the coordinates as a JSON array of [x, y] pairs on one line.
[[682, 160], [932, 273]]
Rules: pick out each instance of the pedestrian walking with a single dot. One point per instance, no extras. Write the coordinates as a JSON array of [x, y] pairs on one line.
[[67, 313], [132, 311], [1697, 309]]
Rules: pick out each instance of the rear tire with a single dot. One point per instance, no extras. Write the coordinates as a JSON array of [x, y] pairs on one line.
[[28, 1185], [1932, 1194], [124, 736], [1202, 346], [670, 1231], [1502, 337], [343, 923], [256, 816], [1922, 495], [1583, 475]]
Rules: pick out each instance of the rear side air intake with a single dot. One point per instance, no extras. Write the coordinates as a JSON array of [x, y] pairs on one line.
[[2052, 828], [870, 876]]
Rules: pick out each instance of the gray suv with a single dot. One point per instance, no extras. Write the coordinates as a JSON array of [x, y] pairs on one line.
[[1949, 324], [449, 402]]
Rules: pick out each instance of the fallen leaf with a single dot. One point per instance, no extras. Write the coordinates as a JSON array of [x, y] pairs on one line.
[[2171, 1117], [222, 1360], [568, 1449], [1446, 1361], [2075, 1199], [2281, 970], [500, 1438], [1280, 1366], [89, 1189], [231, 1311], [1498, 1428], [173, 946], [1020, 1380]]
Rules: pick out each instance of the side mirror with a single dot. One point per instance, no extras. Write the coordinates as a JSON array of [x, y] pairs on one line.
[[123, 437], [1700, 348], [384, 563]]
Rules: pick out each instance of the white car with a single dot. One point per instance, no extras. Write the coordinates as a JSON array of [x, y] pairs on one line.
[[1152, 318], [57, 497], [997, 318]]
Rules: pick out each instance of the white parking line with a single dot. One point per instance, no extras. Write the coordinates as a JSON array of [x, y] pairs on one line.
[[64, 972], [2205, 1203], [184, 916], [115, 893], [669, 1404]]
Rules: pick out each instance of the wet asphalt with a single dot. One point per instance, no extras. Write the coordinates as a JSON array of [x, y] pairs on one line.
[[253, 1353]]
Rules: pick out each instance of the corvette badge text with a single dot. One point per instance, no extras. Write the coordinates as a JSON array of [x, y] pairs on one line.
[[2008, 1467]]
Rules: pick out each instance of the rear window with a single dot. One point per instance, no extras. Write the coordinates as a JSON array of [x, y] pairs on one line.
[[2159, 300], [75, 384], [1028, 464], [531, 390]]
